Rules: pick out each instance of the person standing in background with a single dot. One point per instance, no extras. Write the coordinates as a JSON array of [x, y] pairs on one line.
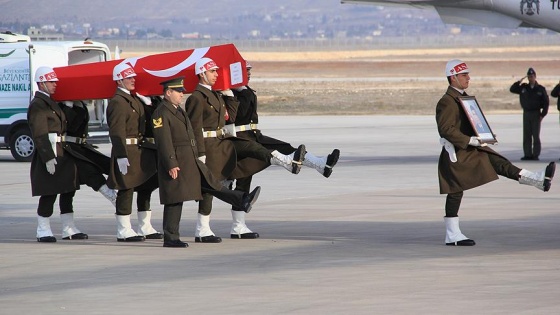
[[534, 101]]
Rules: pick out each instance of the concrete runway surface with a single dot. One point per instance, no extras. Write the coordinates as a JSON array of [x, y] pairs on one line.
[[367, 240]]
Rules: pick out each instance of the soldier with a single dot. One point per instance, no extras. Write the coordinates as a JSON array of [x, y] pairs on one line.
[[133, 166], [91, 163], [534, 101], [182, 176], [465, 162], [208, 112], [246, 127], [53, 171]]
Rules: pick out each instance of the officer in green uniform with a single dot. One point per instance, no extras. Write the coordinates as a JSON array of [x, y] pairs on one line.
[[182, 176]]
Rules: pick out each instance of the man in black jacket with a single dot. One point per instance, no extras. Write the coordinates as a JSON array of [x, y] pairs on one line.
[[534, 101]]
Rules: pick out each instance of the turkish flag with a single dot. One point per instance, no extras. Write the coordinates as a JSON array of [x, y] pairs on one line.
[[95, 80]]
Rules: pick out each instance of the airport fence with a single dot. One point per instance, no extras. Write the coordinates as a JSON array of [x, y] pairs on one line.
[[286, 45]]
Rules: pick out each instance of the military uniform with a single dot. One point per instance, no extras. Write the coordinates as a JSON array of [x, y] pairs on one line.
[[177, 147], [208, 112], [92, 163], [127, 124], [534, 101], [246, 123], [126, 118], [45, 117], [465, 162], [473, 167]]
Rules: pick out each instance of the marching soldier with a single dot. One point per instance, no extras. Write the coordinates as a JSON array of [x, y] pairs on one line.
[[465, 162], [91, 163], [246, 127], [182, 176], [208, 112], [133, 166]]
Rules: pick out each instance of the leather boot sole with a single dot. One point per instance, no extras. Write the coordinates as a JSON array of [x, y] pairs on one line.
[[548, 175], [250, 200], [46, 239], [332, 159], [245, 236], [154, 236], [299, 156], [466, 242], [175, 244], [77, 236], [138, 238], [208, 239]]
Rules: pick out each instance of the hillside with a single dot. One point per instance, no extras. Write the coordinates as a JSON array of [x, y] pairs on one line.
[[222, 19]]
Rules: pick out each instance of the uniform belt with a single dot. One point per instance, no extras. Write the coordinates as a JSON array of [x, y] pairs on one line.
[[246, 127], [213, 134], [131, 140], [74, 139], [54, 137]]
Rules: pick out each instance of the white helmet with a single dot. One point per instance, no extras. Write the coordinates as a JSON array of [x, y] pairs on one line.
[[45, 74], [123, 71], [455, 66], [204, 64], [248, 66]]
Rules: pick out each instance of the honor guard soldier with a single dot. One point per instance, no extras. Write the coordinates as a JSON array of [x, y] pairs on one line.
[[53, 170], [133, 166], [92, 164], [246, 127], [209, 111], [182, 176], [465, 162]]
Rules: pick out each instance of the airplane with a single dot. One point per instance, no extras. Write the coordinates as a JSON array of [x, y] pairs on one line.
[[489, 13]]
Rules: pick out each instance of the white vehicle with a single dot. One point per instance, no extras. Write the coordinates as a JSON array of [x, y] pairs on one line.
[[489, 13], [19, 58]]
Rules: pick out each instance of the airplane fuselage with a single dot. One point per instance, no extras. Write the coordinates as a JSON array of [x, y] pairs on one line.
[[492, 13]]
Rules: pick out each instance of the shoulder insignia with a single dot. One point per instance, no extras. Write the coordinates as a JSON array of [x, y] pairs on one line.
[[158, 122]]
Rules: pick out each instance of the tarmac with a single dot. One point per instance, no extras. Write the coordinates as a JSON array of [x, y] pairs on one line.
[[367, 240]]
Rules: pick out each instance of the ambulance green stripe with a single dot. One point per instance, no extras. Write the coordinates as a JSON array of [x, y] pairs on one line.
[[8, 112]]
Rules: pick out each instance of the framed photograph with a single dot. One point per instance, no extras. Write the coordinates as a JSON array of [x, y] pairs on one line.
[[477, 119]]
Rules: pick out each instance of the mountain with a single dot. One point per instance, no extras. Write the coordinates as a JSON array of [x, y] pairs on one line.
[[218, 18]]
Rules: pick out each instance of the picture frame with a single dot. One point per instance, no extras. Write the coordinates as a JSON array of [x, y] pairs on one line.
[[477, 119]]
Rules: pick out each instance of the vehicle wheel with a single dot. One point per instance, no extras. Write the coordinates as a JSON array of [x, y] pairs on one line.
[[22, 145]]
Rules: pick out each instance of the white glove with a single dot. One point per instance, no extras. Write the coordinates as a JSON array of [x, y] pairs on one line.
[[450, 148], [475, 142], [202, 159], [123, 165], [239, 89], [69, 103], [227, 92], [144, 99], [50, 166]]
